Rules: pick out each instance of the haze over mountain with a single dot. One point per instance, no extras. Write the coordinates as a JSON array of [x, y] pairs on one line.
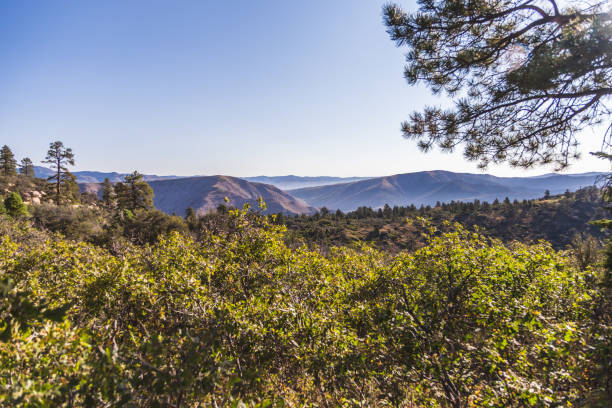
[[206, 193], [292, 182], [428, 187], [283, 182], [96, 176]]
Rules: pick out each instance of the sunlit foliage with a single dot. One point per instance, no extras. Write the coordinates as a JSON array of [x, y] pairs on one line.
[[238, 317]]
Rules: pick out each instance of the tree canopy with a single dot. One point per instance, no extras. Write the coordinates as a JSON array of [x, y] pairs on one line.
[[26, 167], [134, 193], [524, 76]]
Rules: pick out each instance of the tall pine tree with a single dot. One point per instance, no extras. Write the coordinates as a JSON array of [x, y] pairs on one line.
[[108, 193], [26, 167], [59, 158], [134, 193], [8, 164]]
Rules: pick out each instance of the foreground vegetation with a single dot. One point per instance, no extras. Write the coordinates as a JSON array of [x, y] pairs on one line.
[[240, 317], [109, 302]]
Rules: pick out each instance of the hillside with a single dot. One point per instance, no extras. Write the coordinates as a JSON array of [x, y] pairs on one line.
[[429, 187], [206, 193], [558, 220]]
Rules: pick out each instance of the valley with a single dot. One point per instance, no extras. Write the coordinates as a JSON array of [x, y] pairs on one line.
[[174, 195]]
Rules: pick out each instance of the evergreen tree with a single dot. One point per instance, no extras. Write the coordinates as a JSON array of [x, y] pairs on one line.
[[525, 76], [191, 218], [190, 213], [59, 157], [387, 211], [279, 218], [8, 164], [134, 193], [14, 205], [26, 167], [108, 193]]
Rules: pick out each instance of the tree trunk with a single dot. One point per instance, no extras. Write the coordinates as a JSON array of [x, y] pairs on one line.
[[57, 184]]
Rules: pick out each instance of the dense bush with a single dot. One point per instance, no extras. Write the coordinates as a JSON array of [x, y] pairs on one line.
[[237, 316], [76, 223], [144, 226]]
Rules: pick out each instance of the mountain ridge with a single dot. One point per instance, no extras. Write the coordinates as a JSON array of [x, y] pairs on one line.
[[87, 176], [418, 188], [206, 193], [282, 182], [428, 187]]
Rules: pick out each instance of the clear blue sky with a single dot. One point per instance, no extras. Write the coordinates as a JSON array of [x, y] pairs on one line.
[[241, 88]]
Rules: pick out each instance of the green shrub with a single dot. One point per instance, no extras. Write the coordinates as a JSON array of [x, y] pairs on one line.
[[239, 316], [145, 226], [14, 205], [77, 223]]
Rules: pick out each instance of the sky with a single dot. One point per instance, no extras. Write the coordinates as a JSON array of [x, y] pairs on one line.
[[198, 87]]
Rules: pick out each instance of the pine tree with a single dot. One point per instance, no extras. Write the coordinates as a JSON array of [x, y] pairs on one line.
[[8, 164], [14, 205], [191, 218], [134, 193], [59, 157], [525, 76], [26, 167], [108, 193]]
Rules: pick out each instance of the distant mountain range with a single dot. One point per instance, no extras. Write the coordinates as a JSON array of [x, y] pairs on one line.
[[206, 193], [295, 182], [282, 182], [428, 187], [96, 176], [173, 194]]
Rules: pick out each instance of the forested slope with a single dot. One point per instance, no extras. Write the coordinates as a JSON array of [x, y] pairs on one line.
[[428, 187], [556, 219]]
